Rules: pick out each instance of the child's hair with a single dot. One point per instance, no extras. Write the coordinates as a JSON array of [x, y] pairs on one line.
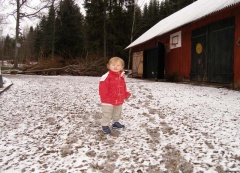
[[115, 59]]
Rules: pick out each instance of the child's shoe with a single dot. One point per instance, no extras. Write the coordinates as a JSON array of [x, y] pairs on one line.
[[117, 125], [106, 130]]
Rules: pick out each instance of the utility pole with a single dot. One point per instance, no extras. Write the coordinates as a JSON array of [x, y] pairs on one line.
[[133, 25]]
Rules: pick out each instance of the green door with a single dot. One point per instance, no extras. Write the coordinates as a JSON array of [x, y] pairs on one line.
[[199, 55], [220, 51], [213, 52]]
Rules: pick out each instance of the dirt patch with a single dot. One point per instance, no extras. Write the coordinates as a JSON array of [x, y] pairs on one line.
[[174, 162]]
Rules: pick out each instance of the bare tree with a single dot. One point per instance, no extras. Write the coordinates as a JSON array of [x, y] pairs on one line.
[[25, 9]]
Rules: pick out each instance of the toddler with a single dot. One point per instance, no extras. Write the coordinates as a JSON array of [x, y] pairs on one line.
[[113, 92]]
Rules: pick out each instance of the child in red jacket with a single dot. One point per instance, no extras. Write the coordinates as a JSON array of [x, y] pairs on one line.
[[113, 92]]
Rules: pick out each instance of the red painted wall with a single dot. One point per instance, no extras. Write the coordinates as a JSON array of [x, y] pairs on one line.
[[178, 60]]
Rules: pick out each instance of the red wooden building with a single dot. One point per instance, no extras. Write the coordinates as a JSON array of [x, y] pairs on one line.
[[201, 42]]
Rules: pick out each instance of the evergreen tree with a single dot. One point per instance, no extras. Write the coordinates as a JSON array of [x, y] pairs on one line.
[[137, 30], [176, 5], [30, 44], [94, 24], [164, 9], [151, 14], [69, 30], [39, 38], [115, 31], [49, 32], [155, 11], [119, 27], [108, 22], [9, 45], [169, 7]]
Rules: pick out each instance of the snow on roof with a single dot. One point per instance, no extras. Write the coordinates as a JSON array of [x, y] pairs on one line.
[[186, 15]]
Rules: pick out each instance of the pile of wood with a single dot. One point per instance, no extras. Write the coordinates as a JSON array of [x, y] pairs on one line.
[[68, 70], [86, 68]]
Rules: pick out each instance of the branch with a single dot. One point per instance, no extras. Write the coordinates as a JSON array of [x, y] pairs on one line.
[[36, 12]]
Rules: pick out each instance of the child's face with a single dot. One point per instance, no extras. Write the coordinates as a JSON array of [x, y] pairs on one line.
[[116, 66]]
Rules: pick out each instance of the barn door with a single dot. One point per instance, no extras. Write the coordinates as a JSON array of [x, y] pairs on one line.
[[199, 58], [137, 64], [151, 63], [154, 60], [220, 51], [212, 52]]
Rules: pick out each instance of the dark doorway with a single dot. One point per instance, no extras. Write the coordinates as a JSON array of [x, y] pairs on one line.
[[154, 59]]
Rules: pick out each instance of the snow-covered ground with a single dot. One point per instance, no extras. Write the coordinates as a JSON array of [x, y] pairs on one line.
[[51, 124]]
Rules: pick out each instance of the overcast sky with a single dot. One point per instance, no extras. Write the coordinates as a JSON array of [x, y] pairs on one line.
[[9, 29]]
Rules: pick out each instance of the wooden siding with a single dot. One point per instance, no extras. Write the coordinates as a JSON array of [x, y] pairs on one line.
[[178, 60]]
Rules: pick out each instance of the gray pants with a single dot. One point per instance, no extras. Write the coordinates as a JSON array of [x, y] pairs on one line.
[[109, 113]]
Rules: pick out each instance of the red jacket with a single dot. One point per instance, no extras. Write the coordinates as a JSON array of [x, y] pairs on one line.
[[112, 88]]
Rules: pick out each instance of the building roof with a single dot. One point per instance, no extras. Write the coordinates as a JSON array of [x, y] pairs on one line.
[[190, 13]]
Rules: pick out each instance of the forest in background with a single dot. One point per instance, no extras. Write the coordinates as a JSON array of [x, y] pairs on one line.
[[66, 37]]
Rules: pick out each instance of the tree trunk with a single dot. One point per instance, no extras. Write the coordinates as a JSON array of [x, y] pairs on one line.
[[17, 35]]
